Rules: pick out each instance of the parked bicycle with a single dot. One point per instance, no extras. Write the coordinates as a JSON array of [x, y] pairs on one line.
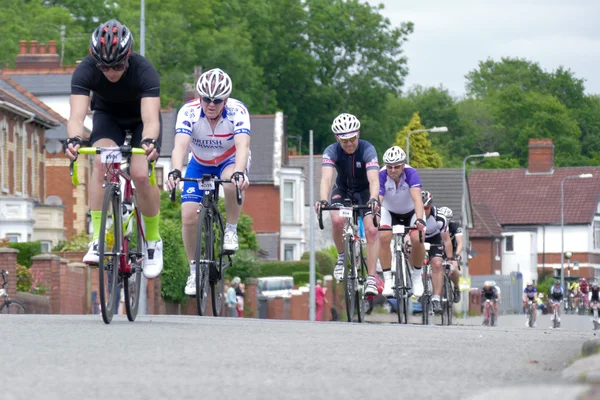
[[401, 270], [489, 313], [210, 258], [355, 266], [447, 294], [9, 306], [122, 241]]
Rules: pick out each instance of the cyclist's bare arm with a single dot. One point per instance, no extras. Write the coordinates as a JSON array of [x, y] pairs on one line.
[[327, 174], [242, 151], [181, 148], [151, 119], [373, 177], [415, 193], [459, 243], [447, 244], [79, 107]]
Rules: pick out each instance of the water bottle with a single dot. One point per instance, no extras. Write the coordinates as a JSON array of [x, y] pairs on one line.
[[126, 217]]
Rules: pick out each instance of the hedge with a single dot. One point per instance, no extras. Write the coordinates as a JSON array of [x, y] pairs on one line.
[[26, 251], [302, 278], [282, 268], [325, 262]]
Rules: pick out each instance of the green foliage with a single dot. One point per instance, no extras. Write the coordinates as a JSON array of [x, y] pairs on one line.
[[24, 278], [282, 268], [246, 236], [421, 153], [77, 242], [302, 278], [545, 285], [325, 262], [245, 265], [26, 251], [176, 266]]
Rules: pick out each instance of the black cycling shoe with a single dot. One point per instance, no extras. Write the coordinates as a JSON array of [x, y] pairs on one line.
[[456, 295]]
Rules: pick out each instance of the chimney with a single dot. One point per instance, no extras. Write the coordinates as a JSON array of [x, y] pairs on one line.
[[541, 156], [34, 59]]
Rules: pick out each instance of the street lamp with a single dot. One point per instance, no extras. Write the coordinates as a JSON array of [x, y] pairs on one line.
[[435, 129], [464, 214], [562, 223]]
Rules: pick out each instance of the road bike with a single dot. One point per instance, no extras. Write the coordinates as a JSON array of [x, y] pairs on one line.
[[489, 313], [122, 239], [447, 294], [210, 259], [9, 306]]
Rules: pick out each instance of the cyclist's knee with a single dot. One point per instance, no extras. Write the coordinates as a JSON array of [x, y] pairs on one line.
[[385, 237], [371, 233]]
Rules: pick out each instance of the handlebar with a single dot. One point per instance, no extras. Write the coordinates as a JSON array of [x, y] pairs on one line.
[[209, 177], [410, 228], [355, 208]]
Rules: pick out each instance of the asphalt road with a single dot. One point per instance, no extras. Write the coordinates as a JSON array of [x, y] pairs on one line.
[[171, 357]]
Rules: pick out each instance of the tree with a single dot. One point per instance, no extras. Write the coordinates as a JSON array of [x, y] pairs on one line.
[[421, 153]]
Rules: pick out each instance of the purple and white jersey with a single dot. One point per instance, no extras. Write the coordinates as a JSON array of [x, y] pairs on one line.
[[397, 199]]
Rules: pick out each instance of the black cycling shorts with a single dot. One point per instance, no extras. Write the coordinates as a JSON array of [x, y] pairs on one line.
[[436, 247], [107, 126], [338, 195]]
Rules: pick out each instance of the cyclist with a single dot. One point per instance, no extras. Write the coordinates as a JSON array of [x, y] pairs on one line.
[[355, 161], [489, 292], [574, 294], [216, 130], [436, 234], [126, 91], [499, 297], [456, 236], [557, 294], [530, 294], [595, 296], [400, 197], [584, 291]]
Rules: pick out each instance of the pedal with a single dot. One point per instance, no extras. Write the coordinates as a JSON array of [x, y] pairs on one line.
[[228, 252]]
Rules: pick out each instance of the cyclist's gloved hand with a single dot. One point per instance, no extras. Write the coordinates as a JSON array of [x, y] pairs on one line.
[[151, 147], [172, 179], [320, 204], [240, 179], [374, 204], [71, 145], [421, 224]]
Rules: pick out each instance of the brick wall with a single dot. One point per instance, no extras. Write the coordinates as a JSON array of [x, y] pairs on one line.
[[484, 263], [262, 204], [8, 262]]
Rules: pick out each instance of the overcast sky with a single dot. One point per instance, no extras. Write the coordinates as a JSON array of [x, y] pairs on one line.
[[452, 36]]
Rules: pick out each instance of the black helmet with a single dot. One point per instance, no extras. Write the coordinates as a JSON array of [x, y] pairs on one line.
[[427, 198], [111, 43]]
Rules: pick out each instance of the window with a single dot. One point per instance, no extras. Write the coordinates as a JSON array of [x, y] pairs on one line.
[[508, 244], [46, 246], [13, 237], [288, 201], [288, 252], [596, 234]]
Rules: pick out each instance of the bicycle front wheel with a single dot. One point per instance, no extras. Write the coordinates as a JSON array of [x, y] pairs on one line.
[[203, 258], [12, 307], [132, 283], [349, 282], [109, 250], [401, 293], [360, 277], [447, 301]]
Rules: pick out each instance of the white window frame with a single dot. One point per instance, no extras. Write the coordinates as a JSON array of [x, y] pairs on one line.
[[512, 240], [286, 247], [24, 159], [3, 162], [46, 244], [596, 228], [11, 236], [291, 201], [34, 147]]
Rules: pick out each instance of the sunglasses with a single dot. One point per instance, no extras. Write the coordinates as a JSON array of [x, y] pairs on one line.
[[351, 140], [118, 67], [392, 167], [208, 100], [427, 207]]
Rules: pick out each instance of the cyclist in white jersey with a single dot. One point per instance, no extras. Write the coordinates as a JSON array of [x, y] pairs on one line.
[[215, 129], [400, 197]]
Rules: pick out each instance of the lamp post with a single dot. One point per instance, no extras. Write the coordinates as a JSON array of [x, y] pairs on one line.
[[464, 215], [562, 223], [435, 129]]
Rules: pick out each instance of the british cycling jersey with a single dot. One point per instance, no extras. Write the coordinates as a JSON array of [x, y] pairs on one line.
[[213, 148], [351, 168], [397, 199]]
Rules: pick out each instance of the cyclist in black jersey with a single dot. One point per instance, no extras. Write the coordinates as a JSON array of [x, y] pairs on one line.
[[456, 236], [126, 96], [595, 296], [357, 167]]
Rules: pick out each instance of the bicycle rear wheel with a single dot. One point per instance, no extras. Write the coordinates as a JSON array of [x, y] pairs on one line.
[[132, 283], [349, 282], [447, 301], [400, 289], [203, 257], [360, 277], [217, 271], [109, 248], [426, 305], [13, 307]]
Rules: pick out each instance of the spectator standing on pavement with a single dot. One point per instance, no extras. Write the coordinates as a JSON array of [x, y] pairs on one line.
[[320, 299], [239, 293], [231, 298]]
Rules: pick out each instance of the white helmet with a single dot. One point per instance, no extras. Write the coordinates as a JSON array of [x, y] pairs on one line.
[[487, 284], [446, 212], [394, 155], [345, 126], [215, 84]]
